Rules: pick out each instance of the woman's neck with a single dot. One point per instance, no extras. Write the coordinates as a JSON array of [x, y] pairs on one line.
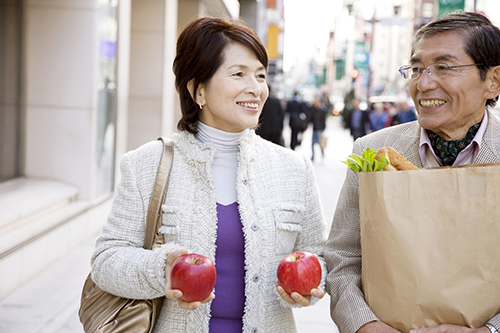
[[223, 141], [225, 164]]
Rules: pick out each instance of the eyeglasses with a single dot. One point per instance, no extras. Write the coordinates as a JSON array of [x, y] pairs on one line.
[[438, 69]]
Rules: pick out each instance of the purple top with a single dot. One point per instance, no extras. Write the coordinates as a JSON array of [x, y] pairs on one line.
[[229, 302]]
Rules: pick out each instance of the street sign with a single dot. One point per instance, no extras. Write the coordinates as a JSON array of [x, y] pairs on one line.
[[449, 6]]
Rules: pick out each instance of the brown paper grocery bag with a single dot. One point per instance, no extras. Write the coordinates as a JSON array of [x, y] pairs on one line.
[[431, 245]]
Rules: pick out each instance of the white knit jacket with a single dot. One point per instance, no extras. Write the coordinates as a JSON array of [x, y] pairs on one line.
[[280, 211]]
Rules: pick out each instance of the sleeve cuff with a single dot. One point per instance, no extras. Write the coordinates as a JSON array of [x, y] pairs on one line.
[[157, 273]]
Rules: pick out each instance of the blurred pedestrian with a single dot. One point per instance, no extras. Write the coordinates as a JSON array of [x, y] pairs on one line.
[[271, 121], [391, 112], [358, 121], [317, 116], [234, 197], [405, 114], [378, 117], [297, 110]]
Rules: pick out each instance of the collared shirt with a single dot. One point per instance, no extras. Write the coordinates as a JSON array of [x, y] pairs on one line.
[[466, 156]]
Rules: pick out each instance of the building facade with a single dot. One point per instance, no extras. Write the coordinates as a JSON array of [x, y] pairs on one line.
[[81, 83], [370, 40]]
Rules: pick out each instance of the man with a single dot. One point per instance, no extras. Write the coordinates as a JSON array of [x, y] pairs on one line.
[[271, 121], [317, 116], [453, 78], [358, 121], [298, 119]]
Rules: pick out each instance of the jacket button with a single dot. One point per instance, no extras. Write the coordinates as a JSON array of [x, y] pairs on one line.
[[255, 278], [245, 181], [254, 330], [255, 227]]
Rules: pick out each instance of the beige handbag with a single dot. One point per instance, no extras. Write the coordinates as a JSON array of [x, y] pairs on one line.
[[101, 312], [323, 140]]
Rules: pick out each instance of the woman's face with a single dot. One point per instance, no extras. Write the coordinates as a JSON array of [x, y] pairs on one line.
[[233, 98]]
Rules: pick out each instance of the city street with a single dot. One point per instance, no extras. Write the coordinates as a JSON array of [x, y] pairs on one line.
[[49, 303], [83, 82], [330, 173]]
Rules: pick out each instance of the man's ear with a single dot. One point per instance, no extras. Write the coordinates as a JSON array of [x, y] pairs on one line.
[[493, 82], [200, 92]]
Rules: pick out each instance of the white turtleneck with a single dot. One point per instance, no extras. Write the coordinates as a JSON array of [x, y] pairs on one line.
[[225, 162]]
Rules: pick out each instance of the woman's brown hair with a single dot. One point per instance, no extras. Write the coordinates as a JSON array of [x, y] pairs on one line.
[[200, 50]]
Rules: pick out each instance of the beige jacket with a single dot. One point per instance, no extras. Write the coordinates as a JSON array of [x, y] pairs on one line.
[[343, 249], [280, 212]]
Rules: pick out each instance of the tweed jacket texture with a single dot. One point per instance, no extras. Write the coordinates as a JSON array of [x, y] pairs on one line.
[[343, 249], [280, 212]]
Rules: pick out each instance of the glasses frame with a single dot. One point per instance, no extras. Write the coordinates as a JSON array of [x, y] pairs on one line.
[[426, 68]]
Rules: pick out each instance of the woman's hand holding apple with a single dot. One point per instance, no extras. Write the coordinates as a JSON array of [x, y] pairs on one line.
[[295, 297], [299, 276], [176, 294]]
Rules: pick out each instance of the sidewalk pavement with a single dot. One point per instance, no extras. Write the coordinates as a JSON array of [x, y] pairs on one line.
[[330, 173], [49, 302]]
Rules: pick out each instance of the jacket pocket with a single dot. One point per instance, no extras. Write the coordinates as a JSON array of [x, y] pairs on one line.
[[170, 224], [287, 229]]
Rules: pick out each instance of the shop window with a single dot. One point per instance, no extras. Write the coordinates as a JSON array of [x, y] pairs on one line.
[[10, 88], [106, 110]]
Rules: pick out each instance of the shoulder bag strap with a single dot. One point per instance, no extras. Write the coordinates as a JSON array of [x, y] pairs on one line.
[[153, 221]]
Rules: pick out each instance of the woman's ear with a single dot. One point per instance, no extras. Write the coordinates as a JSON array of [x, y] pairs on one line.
[[200, 92], [493, 82]]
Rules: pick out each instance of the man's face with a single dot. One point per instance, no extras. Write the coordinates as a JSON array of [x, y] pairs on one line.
[[448, 105]]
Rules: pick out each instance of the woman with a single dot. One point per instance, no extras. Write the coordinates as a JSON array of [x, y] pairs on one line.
[[241, 201]]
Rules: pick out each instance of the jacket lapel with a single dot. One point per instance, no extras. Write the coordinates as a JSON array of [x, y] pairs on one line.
[[490, 146], [412, 150], [407, 143]]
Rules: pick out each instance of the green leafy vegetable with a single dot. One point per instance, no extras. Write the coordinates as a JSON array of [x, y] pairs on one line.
[[366, 162]]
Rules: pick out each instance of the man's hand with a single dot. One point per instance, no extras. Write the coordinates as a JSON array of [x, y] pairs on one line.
[[176, 294], [294, 297], [451, 329], [377, 327]]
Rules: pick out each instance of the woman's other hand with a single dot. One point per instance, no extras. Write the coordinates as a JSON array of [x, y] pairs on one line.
[[294, 297], [176, 294]]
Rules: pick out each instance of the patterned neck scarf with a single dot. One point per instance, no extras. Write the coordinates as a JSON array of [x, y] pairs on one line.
[[448, 151]]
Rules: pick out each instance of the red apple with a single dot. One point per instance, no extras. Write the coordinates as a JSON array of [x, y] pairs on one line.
[[299, 272], [194, 275]]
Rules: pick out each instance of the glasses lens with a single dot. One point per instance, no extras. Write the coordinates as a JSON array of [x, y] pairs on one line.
[[414, 72], [438, 69], [405, 72]]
